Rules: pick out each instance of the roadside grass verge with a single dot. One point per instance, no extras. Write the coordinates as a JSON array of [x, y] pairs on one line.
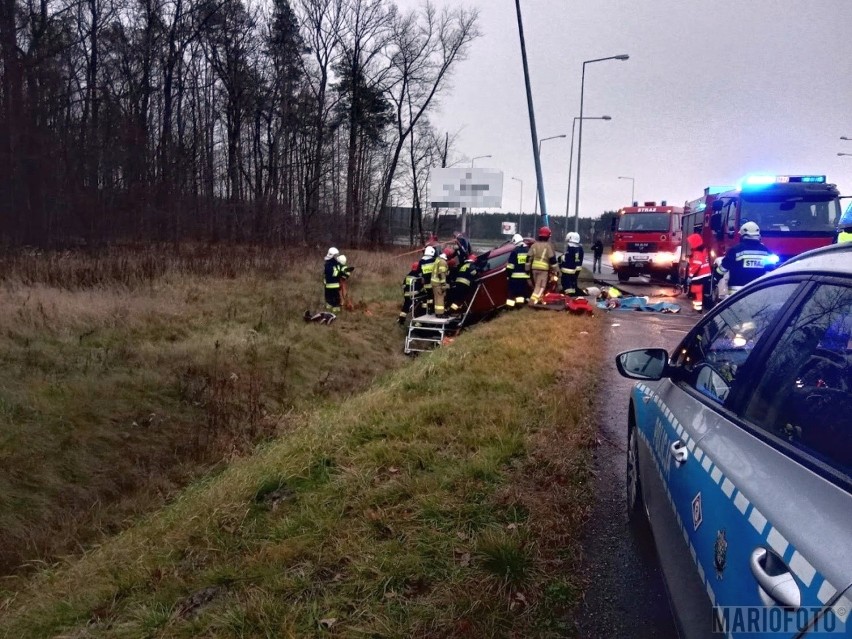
[[446, 500], [125, 374]]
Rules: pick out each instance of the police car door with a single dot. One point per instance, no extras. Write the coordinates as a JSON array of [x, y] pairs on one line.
[[710, 484]]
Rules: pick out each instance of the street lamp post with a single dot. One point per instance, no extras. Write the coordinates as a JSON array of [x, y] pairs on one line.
[[571, 164], [520, 204], [464, 209], [535, 210], [632, 187], [843, 137], [622, 57], [841, 154]]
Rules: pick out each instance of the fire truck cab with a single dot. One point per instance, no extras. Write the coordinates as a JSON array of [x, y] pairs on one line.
[[795, 213], [647, 241]]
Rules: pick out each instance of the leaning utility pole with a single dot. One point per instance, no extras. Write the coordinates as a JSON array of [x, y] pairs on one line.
[[533, 132]]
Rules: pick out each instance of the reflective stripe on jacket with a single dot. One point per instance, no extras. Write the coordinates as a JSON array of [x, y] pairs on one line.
[[744, 262], [699, 267], [516, 267], [427, 265], [467, 274], [439, 274], [571, 261], [332, 274], [844, 236], [542, 256]]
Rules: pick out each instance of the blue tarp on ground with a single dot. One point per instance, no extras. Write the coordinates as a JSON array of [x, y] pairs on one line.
[[638, 304]]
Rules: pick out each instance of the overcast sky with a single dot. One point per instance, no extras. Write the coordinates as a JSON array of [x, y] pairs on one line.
[[713, 90]]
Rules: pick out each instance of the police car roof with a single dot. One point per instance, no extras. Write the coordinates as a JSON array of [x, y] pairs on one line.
[[836, 258]]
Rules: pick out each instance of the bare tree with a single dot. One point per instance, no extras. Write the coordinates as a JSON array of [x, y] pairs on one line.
[[425, 47]]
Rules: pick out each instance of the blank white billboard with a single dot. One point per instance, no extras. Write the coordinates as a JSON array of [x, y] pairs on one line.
[[460, 187]]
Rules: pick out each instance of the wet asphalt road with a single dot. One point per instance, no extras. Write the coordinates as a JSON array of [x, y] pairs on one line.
[[625, 594]]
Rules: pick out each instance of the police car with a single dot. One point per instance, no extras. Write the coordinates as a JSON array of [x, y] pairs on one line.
[[740, 456]]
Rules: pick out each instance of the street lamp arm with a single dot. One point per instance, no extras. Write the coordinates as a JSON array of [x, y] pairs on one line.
[[623, 56]]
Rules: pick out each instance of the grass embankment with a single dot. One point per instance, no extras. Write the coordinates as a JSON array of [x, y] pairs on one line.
[[444, 501], [126, 374]]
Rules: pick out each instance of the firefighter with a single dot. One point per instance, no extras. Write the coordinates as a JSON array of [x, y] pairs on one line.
[[519, 277], [345, 273], [746, 261], [427, 265], [699, 272], [331, 279], [439, 281], [542, 262], [411, 286], [462, 246], [464, 283], [570, 264]]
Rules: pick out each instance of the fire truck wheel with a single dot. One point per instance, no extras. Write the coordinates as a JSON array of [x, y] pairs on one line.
[[623, 277]]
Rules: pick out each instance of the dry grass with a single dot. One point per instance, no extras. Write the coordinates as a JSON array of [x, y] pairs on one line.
[[445, 501], [126, 374]]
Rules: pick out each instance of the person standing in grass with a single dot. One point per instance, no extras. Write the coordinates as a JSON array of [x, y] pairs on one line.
[[332, 275], [439, 281], [542, 260]]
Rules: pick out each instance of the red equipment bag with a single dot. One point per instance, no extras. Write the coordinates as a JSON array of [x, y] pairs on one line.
[[579, 305]]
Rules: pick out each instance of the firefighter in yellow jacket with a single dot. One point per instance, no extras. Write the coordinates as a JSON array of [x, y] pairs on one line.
[[542, 262], [439, 281]]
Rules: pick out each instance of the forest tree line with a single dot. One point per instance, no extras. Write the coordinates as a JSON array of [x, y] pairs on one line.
[[287, 121]]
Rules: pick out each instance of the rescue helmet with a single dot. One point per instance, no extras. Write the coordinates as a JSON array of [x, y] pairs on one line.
[[517, 239], [448, 252], [429, 251], [341, 259], [442, 255], [332, 252], [415, 266], [573, 237], [750, 231], [695, 241], [544, 233]]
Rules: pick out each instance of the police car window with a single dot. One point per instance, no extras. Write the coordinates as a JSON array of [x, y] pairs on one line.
[[712, 360], [805, 393]]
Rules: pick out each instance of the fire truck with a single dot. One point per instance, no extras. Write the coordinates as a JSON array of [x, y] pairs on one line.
[[647, 241], [795, 213]]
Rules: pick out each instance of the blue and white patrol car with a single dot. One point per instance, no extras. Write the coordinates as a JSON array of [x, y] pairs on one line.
[[740, 456]]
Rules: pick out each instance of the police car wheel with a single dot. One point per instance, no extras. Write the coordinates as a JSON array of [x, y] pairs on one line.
[[635, 503]]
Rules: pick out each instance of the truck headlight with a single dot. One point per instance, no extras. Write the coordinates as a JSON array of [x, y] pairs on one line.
[[664, 258], [616, 257]]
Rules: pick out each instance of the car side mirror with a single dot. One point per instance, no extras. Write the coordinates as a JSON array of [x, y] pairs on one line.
[[643, 363], [613, 224], [716, 221], [718, 205]]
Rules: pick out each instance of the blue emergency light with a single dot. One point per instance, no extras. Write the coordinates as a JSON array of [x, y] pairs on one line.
[[757, 181]]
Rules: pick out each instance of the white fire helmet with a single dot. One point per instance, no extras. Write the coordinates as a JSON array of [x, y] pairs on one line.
[[573, 238], [341, 259], [750, 231], [429, 251], [332, 252], [517, 239]]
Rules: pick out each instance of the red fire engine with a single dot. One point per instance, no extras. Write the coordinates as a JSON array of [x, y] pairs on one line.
[[795, 213], [647, 241]]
